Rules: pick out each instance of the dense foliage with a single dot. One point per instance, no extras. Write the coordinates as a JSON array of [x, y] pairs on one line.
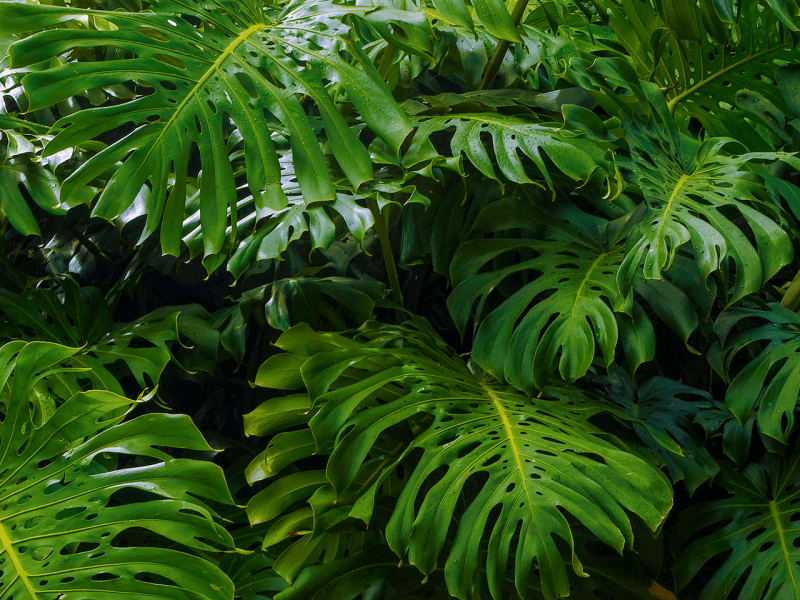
[[373, 299]]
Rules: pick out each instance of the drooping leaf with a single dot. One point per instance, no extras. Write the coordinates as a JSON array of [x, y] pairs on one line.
[[66, 529], [691, 192]]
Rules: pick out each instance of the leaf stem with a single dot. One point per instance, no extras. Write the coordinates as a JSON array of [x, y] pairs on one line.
[[791, 299], [382, 232], [500, 52]]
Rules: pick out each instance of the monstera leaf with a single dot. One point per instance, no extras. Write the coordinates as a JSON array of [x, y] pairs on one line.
[[202, 68], [92, 504], [694, 194], [770, 382], [492, 14], [512, 137], [705, 78], [756, 529], [270, 231], [568, 262], [17, 168], [392, 395]]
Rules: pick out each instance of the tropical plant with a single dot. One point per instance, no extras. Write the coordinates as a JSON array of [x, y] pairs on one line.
[[470, 299]]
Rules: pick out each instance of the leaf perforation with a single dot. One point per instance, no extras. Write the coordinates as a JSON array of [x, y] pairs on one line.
[[714, 76]]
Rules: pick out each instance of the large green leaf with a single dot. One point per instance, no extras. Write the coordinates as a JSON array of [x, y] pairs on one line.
[[754, 533], [201, 67], [567, 261], [315, 301], [78, 316], [523, 461], [770, 381], [694, 194], [92, 505]]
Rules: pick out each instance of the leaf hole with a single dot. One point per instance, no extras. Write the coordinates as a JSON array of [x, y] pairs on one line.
[[491, 460], [170, 60], [153, 34], [468, 449], [247, 84]]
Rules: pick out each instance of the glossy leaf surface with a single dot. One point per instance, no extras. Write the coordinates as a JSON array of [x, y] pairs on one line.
[[244, 63], [534, 456], [564, 308], [769, 383], [690, 190]]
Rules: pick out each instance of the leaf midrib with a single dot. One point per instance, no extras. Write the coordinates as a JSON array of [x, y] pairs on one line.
[[5, 541], [776, 517], [586, 278], [675, 192], [691, 90], [511, 439], [212, 69]]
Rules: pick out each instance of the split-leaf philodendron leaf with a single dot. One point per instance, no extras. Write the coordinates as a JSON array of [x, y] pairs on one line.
[[565, 307], [530, 459], [694, 193], [755, 532], [769, 383]]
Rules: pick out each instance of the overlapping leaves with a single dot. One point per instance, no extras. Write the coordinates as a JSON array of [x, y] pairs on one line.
[[512, 138], [706, 77], [205, 67], [707, 55], [391, 393], [76, 316], [18, 167], [64, 525], [662, 414]]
